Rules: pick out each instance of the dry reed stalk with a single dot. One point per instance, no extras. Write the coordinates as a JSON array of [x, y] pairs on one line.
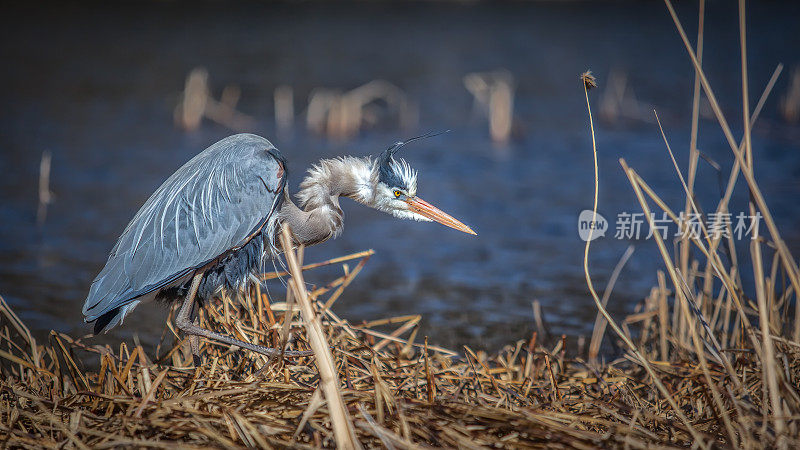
[[770, 375], [45, 195], [694, 154], [587, 80], [789, 264], [284, 109], [663, 312], [342, 425], [682, 300], [599, 329], [341, 115], [196, 102], [493, 94], [790, 102], [337, 260]]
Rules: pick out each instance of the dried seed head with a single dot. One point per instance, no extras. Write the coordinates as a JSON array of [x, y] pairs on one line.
[[589, 81]]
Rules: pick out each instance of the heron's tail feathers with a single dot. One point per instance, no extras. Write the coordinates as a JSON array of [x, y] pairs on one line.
[[113, 318]]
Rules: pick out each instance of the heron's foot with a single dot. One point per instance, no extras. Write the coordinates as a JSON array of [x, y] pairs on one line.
[[273, 355], [189, 325], [273, 352], [194, 331], [194, 343]]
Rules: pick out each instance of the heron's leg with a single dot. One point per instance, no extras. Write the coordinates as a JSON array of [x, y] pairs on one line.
[[194, 340], [184, 323], [187, 314]]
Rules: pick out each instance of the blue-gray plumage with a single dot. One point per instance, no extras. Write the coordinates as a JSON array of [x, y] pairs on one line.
[[211, 206], [214, 222]]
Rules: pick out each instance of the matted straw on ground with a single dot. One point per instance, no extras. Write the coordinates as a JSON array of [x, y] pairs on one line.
[[706, 361], [398, 392]]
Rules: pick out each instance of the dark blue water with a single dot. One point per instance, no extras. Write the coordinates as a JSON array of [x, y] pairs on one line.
[[96, 86]]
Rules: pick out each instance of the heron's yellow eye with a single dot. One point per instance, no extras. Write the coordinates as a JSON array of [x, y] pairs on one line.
[[397, 194]]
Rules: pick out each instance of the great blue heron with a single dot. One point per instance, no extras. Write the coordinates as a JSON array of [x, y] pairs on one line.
[[215, 220]]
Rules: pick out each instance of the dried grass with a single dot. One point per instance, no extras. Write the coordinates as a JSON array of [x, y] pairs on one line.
[[395, 392], [402, 395]]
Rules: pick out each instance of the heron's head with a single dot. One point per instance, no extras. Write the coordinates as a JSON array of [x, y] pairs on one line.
[[396, 192]]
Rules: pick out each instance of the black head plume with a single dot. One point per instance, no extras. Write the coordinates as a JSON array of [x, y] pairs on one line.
[[385, 172]]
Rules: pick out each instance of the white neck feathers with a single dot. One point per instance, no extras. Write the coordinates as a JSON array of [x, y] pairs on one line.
[[330, 179], [319, 216]]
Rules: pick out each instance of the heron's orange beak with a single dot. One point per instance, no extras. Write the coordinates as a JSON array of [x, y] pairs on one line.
[[425, 209]]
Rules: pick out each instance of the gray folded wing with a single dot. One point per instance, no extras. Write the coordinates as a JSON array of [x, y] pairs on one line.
[[213, 204]]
